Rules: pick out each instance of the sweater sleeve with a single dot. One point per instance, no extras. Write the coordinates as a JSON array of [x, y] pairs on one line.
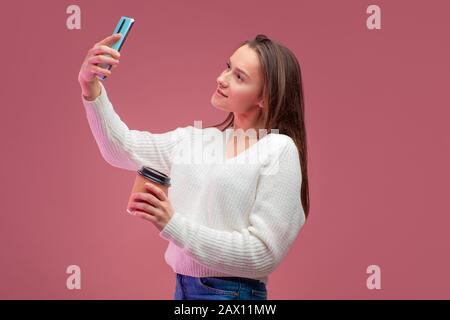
[[125, 148], [275, 221]]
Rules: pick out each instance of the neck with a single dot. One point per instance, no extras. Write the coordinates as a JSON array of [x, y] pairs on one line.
[[250, 120]]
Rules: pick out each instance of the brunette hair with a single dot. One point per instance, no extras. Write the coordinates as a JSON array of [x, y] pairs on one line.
[[283, 100]]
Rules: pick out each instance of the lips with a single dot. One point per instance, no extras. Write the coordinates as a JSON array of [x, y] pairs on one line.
[[221, 93]]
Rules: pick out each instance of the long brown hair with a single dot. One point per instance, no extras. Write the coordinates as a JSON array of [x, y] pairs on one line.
[[283, 96]]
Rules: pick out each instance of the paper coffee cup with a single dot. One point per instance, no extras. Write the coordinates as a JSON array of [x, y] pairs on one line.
[[149, 175]]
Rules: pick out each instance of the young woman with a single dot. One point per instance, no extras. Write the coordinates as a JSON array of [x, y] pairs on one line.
[[228, 226]]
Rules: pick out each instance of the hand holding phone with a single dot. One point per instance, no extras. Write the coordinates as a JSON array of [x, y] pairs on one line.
[[123, 27]]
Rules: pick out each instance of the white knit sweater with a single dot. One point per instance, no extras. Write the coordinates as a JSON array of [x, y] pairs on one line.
[[233, 217]]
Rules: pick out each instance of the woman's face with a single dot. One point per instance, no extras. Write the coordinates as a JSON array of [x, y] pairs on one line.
[[241, 82]]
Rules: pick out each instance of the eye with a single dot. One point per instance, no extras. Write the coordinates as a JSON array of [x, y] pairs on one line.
[[238, 76]]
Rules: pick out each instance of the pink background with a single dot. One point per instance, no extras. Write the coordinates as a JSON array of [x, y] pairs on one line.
[[377, 112]]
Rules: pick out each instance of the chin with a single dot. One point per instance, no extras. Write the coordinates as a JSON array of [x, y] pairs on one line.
[[217, 105]]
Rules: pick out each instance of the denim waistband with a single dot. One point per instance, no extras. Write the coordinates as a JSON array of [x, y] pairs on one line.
[[241, 279]]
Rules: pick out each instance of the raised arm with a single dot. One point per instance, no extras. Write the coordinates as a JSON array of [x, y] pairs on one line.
[[125, 148]]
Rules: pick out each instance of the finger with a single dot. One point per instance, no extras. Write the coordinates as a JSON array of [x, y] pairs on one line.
[[100, 50], [103, 59], [100, 71], [156, 191], [145, 216], [110, 39], [143, 206], [150, 198]]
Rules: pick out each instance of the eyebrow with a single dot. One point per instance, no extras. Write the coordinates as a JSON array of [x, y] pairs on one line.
[[240, 70]]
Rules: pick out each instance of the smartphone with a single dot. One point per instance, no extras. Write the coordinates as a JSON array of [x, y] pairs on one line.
[[124, 27]]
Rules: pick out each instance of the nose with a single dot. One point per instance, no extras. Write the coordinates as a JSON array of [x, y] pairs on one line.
[[220, 82]]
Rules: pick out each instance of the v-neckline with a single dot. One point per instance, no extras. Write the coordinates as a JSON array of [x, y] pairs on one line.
[[228, 135]]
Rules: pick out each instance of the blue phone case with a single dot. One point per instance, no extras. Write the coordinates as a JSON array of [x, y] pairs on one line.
[[124, 26]]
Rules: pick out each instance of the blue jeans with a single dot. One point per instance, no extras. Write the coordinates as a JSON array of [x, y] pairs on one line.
[[219, 288]]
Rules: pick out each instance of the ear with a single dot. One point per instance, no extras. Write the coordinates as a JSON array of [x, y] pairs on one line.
[[261, 104]]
